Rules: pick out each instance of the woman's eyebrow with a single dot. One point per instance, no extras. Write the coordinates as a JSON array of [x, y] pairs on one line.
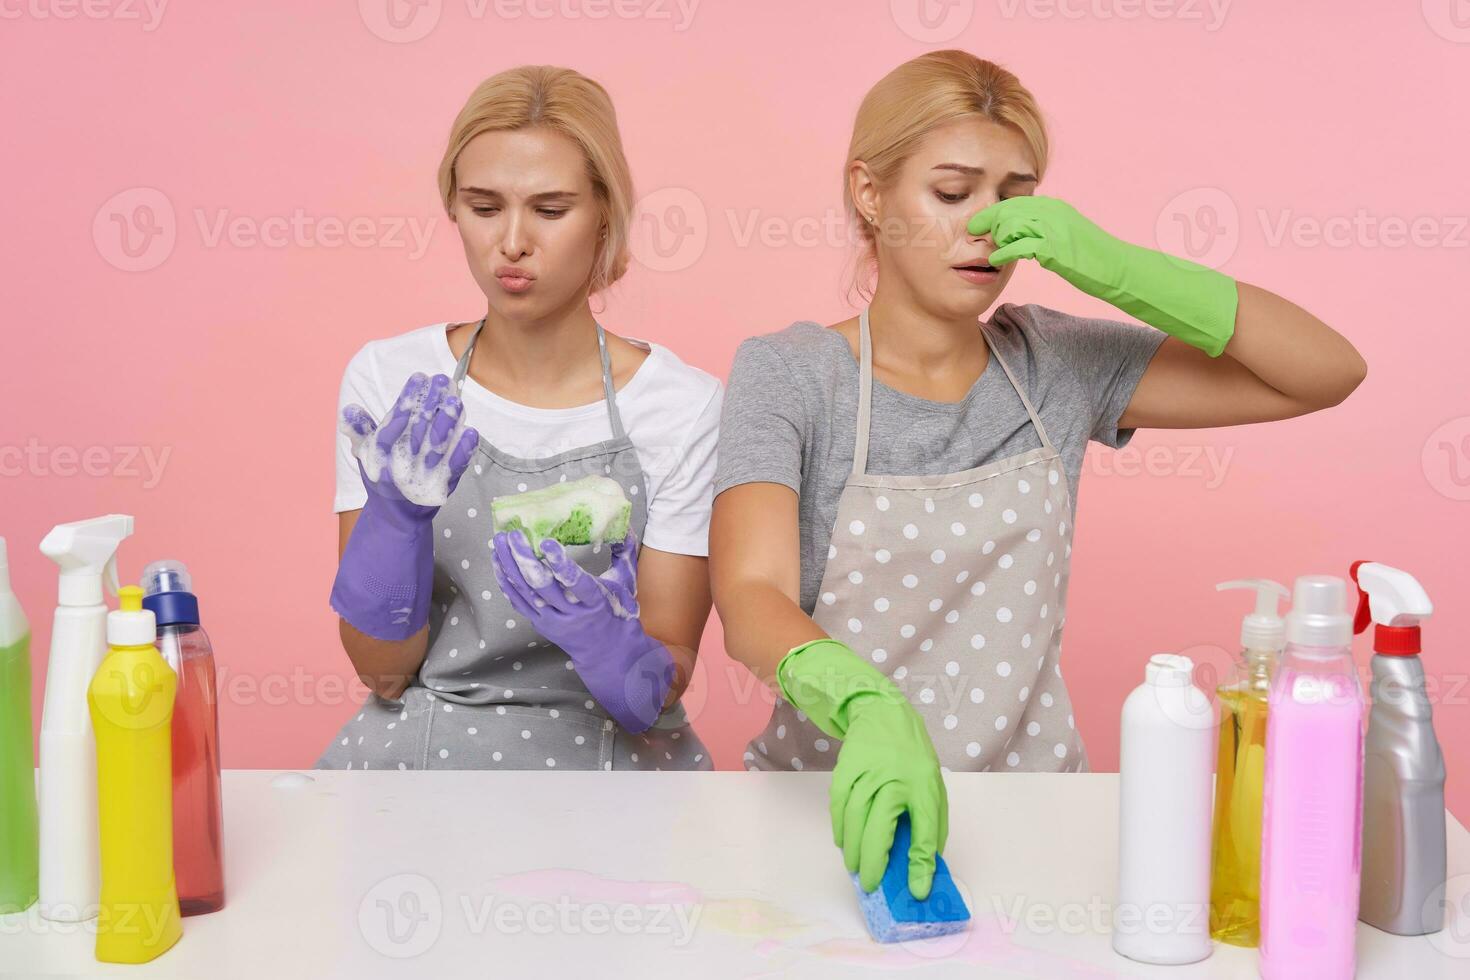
[[970, 171], [542, 196]]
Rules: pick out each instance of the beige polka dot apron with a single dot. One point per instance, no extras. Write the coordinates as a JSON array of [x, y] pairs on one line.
[[955, 587], [491, 692]]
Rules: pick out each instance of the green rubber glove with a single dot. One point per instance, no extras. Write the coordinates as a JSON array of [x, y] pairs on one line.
[[886, 765], [1181, 298]]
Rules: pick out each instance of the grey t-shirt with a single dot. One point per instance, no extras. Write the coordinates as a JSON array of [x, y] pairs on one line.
[[790, 412]]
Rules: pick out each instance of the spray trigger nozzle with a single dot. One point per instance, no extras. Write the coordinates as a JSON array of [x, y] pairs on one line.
[[86, 553], [1394, 601]]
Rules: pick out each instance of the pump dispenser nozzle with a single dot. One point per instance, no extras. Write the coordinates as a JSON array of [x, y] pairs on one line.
[[1263, 629]]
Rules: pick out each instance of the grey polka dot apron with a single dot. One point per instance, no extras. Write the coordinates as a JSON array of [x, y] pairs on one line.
[[491, 692], [955, 587]]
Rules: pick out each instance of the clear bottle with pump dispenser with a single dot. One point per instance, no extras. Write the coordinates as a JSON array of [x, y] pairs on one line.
[[131, 702], [19, 849], [1404, 863], [1240, 769], [86, 553], [198, 809], [1312, 806]]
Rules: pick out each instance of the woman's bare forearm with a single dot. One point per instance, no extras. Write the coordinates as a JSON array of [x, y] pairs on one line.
[[762, 624], [755, 572], [1293, 351], [684, 661], [387, 667], [673, 591]]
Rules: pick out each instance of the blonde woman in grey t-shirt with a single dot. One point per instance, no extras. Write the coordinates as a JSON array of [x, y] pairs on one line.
[[892, 529]]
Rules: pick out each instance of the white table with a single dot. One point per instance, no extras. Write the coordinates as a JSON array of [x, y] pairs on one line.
[[702, 875]]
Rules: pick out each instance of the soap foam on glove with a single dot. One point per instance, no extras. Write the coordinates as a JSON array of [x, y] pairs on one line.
[[891, 911], [412, 458]]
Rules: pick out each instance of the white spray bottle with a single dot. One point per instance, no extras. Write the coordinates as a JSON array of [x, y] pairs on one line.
[[70, 871]]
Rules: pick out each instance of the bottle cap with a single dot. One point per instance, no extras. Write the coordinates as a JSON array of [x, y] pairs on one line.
[[130, 625], [168, 593], [1169, 670], [1319, 616]]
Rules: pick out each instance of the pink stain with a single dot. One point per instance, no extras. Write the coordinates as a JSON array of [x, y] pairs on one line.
[[982, 944]]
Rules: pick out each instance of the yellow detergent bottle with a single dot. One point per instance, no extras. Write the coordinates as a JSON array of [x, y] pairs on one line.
[[131, 700], [1240, 770]]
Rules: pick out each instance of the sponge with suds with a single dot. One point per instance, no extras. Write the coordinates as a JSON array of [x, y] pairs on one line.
[[586, 511]]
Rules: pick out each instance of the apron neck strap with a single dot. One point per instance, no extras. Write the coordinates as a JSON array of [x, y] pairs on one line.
[[609, 393], [462, 366], [865, 394], [1020, 392]]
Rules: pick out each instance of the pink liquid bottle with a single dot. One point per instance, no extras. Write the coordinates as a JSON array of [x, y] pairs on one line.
[[1313, 802], [198, 807]]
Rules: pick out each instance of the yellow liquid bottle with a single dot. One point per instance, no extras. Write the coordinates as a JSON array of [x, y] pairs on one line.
[[1235, 875], [131, 701], [1240, 771]]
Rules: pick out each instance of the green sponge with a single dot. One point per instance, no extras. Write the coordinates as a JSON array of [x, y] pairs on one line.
[[586, 511]]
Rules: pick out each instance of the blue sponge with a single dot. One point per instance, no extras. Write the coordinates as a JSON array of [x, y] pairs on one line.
[[894, 915]]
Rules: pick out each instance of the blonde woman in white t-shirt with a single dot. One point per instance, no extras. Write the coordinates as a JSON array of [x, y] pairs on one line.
[[479, 652]]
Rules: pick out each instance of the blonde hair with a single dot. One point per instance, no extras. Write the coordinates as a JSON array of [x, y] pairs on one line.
[[575, 106], [916, 98]]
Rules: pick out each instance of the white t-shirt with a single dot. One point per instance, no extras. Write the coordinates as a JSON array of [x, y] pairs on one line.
[[670, 410]]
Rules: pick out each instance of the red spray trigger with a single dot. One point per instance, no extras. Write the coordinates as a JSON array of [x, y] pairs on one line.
[[1394, 602], [1363, 617]]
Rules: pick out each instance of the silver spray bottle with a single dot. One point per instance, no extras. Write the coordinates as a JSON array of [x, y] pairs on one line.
[[1403, 769]]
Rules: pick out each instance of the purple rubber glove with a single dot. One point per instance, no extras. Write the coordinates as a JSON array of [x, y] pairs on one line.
[[385, 579], [594, 619]]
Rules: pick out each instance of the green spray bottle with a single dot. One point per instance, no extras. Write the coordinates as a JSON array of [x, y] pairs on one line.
[[19, 840]]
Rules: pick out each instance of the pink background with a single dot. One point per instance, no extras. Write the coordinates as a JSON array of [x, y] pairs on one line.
[[1248, 130]]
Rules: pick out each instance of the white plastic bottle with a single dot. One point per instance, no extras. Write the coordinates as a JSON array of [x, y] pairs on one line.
[[1164, 801], [87, 553]]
